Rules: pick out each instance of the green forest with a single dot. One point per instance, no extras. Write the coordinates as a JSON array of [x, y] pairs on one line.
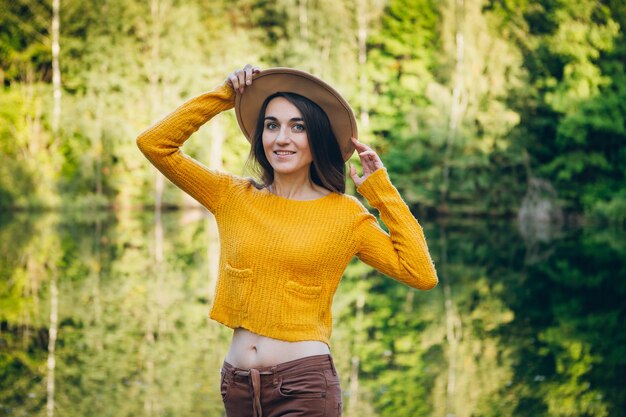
[[476, 107], [516, 328], [501, 122]]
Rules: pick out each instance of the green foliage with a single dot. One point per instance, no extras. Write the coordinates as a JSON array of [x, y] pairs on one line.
[[531, 336], [612, 211], [543, 79], [25, 53], [27, 156], [589, 166], [573, 110], [566, 362]]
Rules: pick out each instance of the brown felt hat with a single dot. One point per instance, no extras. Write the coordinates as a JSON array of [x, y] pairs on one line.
[[288, 80]]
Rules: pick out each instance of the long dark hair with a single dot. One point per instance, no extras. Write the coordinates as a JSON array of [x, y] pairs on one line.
[[327, 169]]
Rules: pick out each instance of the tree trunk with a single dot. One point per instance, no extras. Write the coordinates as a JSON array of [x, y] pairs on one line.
[[54, 295], [353, 404], [303, 17], [362, 21], [152, 324], [52, 339], [453, 327], [96, 271], [56, 71], [456, 105], [98, 146], [155, 51]]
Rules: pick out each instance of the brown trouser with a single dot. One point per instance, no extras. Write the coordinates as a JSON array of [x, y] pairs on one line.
[[304, 387]]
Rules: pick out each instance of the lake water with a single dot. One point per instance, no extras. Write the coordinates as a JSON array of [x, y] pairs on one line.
[[106, 315]]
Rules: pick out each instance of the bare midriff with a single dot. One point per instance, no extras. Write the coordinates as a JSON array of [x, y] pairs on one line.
[[250, 350]]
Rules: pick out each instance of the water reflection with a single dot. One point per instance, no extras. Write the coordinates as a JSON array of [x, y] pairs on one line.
[[127, 296]]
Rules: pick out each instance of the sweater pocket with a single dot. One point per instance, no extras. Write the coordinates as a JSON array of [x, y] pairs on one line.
[[301, 305], [235, 290]]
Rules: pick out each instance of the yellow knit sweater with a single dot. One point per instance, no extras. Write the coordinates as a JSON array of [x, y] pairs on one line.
[[281, 260]]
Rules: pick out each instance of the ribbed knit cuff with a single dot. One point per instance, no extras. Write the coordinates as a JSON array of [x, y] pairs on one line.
[[225, 93], [377, 187]]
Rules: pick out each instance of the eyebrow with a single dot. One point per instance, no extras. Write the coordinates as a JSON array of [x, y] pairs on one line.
[[293, 119]]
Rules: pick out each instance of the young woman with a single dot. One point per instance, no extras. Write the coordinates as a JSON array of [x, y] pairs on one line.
[[287, 238]]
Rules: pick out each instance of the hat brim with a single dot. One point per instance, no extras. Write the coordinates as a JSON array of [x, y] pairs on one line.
[[274, 80]]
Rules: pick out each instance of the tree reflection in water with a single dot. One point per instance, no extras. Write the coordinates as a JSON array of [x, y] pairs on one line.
[[541, 335]]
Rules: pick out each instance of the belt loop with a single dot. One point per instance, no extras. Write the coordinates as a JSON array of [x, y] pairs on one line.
[[274, 377], [332, 364], [229, 372]]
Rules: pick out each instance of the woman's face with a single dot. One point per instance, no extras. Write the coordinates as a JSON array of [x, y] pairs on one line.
[[285, 138]]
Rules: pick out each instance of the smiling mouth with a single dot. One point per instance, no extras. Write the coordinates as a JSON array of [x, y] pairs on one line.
[[284, 153]]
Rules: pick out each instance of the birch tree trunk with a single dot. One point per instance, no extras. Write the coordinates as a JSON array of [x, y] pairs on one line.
[[362, 22], [155, 51], [56, 71], [303, 17], [453, 327], [54, 294], [52, 339], [458, 96], [152, 324], [353, 404], [98, 146], [96, 272]]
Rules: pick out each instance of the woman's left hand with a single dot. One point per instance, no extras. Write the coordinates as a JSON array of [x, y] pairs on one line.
[[370, 161]]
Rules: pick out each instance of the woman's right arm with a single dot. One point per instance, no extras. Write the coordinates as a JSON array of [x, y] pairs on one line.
[[161, 145]]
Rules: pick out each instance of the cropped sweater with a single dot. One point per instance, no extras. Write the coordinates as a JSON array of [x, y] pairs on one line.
[[281, 259]]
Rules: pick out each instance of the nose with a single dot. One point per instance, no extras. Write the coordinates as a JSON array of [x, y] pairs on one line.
[[283, 136]]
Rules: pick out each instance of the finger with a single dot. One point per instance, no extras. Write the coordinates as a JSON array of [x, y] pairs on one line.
[[247, 70], [367, 155], [360, 148], [368, 167], [241, 76], [359, 145], [371, 163], [370, 155], [234, 81], [367, 164], [353, 173], [369, 148], [357, 142], [371, 166]]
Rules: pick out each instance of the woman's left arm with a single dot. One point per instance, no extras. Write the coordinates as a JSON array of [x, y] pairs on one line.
[[403, 253]]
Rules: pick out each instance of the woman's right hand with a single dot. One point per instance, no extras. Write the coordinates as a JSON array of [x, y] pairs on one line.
[[241, 78]]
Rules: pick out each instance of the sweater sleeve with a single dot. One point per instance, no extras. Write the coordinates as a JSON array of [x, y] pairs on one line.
[[161, 145], [402, 254]]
